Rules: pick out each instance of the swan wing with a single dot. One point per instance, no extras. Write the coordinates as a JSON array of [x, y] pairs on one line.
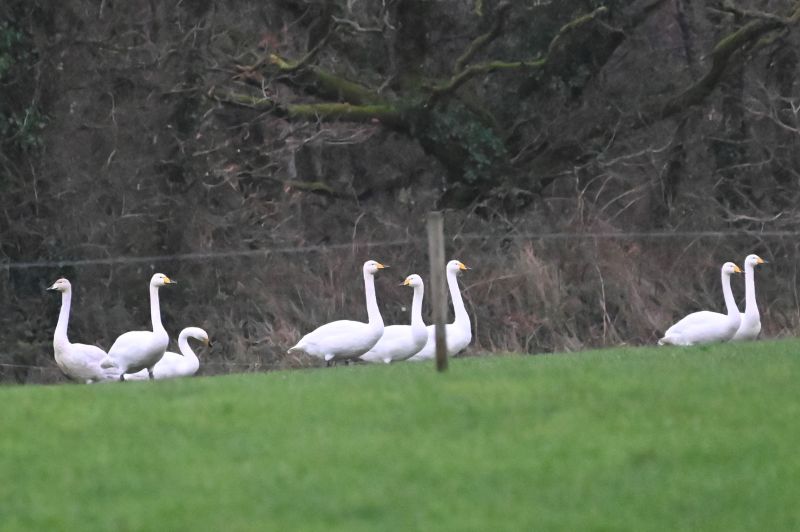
[[339, 339], [172, 365], [457, 339], [396, 343], [693, 319], [136, 350], [81, 362], [707, 328]]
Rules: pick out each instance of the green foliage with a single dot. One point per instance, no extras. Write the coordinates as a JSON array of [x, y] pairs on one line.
[[11, 40], [620, 439], [482, 148], [19, 128], [24, 132]]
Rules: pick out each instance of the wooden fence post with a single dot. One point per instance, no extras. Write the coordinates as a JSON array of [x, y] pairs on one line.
[[438, 293]]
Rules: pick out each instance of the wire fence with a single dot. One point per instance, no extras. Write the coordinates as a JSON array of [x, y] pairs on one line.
[[288, 248], [299, 249]]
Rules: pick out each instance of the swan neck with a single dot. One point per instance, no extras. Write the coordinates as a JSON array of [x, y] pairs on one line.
[[155, 309], [750, 290], [373, 312], [416, 308], [185, 348], [63, 318], [730, 303], [461, 315]]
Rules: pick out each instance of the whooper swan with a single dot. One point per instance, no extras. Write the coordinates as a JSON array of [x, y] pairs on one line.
[[751, 320], [346, 339], [705, 326], [138, 350], [400, 342], [79, 362], [173, 365], [458, 333]]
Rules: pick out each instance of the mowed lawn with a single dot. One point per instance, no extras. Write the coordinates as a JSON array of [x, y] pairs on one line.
[[627, 439]]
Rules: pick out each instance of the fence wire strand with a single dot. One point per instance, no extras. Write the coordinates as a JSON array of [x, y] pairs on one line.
[[321, 248]]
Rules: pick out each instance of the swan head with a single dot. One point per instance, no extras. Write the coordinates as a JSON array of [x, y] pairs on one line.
[[61, 285], [753, 260], [160, 279], [413, 281], [730, 268], [372, 266], [456, 266], [199, 334]]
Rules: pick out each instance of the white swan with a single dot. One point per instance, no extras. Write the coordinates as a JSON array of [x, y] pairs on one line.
[[751, 320], [705, 326], [173, 365], [400, 342], [138, 350], [458, 333], [345, 339], [80, 362]]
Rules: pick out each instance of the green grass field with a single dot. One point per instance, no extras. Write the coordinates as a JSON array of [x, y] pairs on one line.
[[625, 439]]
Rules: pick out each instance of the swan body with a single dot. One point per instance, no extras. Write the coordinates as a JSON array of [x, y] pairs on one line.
[[347, 339], [750, 325], [400, 342], [173, 365], [138, 350], [79, 362], [706, 327], [458, 334]]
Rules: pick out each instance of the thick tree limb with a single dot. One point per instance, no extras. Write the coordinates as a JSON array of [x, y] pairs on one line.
[[326, 85], [722, 55], [384, 114]]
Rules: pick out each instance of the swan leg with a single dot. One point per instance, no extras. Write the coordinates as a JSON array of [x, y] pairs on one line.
[[150, 374], [122, 377]]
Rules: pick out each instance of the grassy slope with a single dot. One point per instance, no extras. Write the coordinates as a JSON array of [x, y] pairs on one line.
[[627, 439]]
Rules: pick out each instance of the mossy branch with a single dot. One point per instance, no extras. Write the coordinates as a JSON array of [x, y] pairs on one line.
[[722, 55], [534, 63], [317, 81], [481, 41], [329, 112]]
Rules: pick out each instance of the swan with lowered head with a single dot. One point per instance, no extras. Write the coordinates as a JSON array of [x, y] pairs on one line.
[[173, 365], [705, 326], [400, 342], [750, 325], [138, 350], [79, 362], [459, 333], [346, 339]]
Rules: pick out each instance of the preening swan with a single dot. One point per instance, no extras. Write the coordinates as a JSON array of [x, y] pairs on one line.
[[705, 327], [80, 362], [345, 339], [138, 350], [173, 365], [750, 325], [459, 333], [400, 342]]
